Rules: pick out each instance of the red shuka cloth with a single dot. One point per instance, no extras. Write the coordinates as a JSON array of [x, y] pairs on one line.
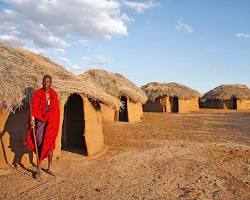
[[38, 110]]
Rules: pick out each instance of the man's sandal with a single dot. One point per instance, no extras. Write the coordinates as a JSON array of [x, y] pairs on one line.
[[38, 175]]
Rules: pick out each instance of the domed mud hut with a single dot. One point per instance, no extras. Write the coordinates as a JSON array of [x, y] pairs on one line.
[[234, 96], [170, 97], [126, 93]]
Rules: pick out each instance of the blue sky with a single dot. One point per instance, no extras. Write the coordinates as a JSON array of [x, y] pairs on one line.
[[200, 43]]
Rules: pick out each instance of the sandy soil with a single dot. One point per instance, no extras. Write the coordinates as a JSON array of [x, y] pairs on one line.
[[203, 155]]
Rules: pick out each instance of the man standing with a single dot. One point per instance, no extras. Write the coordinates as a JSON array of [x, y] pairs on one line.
[[44, 120]]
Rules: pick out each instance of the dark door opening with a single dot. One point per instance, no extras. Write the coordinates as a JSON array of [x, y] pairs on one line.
[[174, 104], [123, 112], [235, 103], [73, 139]]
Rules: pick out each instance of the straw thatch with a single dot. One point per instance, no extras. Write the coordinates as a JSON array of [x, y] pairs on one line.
[[154, 90], [114, 84], [227, 92], [21, 72]]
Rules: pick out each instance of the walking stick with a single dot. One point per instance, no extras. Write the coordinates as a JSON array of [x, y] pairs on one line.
[[36, 149], [35, 142]]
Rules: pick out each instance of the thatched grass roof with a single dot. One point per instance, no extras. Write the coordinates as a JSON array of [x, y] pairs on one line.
[[21, 72], [114, 84], [226, 92], [154, 90]]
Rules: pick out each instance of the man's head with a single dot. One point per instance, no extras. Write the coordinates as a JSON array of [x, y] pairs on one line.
[[47, 81]]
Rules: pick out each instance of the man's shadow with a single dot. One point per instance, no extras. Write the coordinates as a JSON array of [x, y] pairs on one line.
[[17, 126]]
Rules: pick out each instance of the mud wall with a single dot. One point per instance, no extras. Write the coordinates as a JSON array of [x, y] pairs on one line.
[[184, 105], [219, 104], [93, 128], [243, 104], [154, 106], [57, 151], [108, 113], [3, 137], [14, 132], [135, 111], [188, 105]]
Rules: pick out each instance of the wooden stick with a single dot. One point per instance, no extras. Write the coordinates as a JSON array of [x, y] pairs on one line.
[[34, 136], [36, 149]]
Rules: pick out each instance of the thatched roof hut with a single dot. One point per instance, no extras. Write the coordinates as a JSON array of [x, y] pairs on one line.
[[227, 96], [227, 92], [114, 84], [170, 97], [21, 72], [154, 90], [126, 92]]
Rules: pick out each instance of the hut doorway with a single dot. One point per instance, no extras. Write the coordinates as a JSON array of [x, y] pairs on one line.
[[123, 112], [235, 103], [174, 101], [73, 126]]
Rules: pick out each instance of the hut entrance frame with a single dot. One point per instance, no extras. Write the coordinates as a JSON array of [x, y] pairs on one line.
[[123, 112], [73, 125], [174, 103], [234, 103]]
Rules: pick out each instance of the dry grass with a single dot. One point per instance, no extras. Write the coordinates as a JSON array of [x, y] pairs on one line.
[[115, 84], [227, 92], [154, 90], [203, 155]]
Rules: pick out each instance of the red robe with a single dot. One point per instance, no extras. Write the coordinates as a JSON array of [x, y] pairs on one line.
[[38, 108]]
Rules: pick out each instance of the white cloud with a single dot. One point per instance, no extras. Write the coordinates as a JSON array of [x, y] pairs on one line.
[[9, 12], [42, 36], [126, 18], [58, 51], [101, 60], [85, 58], [67, 63], [84, 42], [65, 60], [10, 34], [140, 7], [76, 67], [181, 26], [242, 35], [96, 60], [7, 37], [50, 21], [8, 28], [10, 39], [50, 26]]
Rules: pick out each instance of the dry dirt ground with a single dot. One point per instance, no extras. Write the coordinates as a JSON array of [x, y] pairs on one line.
[[203, 155]]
